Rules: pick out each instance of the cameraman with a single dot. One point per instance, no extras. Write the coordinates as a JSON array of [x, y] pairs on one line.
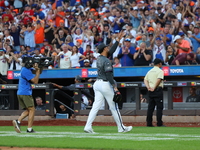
[[24, 93]]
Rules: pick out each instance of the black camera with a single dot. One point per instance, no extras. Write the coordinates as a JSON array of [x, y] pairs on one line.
[[41, 61]]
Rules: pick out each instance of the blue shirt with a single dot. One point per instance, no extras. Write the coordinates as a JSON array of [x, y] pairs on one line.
[[15, 36], [135, 21], [125, 60], [24, 86], [40, 14], [195, 43], [29, 38]]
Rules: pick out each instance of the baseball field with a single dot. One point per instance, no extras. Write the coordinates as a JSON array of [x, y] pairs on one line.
[[106, 137]]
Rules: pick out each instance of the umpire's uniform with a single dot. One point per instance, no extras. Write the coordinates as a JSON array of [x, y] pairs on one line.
[[154, 83]]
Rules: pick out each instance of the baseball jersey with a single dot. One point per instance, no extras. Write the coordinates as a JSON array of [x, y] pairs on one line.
[[65, 61]]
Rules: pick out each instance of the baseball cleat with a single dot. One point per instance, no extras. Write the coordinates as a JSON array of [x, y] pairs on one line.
[[32, 131], [127, 129], [16, 126], [89, 131]]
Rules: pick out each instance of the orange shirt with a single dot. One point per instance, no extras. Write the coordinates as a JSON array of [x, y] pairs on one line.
[[39, 35], [184, 44], [58, 18]]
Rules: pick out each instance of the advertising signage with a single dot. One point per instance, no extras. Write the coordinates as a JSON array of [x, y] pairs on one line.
[[118, 72]]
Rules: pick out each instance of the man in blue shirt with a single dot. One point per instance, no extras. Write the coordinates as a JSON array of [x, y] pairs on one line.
[[24, 95], [39, 13], [126, 53], [195, 38]]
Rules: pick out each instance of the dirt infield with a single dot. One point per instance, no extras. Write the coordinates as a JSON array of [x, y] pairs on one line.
[[33, 148], [70, 122]]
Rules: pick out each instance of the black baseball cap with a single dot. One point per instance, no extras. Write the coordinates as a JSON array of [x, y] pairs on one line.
[[101, 47], [78, 77], [157, 61]]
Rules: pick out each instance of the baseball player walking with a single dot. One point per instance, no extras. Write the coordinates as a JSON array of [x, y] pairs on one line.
[[104, 88]]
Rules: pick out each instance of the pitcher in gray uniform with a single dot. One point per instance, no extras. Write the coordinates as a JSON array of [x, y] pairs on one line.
[[104, 88]]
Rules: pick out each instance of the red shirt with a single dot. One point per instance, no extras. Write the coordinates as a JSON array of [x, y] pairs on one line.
[[2, 4], [27, 20], [29, 12], [7, 18], [86, 52]]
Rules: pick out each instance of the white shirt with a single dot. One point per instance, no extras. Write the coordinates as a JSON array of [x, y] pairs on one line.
[[87, 41], [118, 48], [94, 62], [10, 38], [65, 61], [76, 37], [75, 60], [3, 65], [18, 64], [157, 50]]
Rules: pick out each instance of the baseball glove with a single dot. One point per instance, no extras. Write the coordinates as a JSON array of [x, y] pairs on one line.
[[117, 97]]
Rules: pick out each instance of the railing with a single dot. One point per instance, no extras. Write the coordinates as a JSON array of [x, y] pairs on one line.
[[135, 110]]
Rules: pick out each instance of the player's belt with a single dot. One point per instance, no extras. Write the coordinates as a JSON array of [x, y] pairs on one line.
[[102, 80]]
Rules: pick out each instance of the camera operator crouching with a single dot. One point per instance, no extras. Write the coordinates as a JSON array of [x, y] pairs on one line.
[[30, 73]]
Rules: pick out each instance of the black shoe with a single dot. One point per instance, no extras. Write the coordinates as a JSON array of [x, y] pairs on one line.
[[32, 131], [150, 125], [16, 126], [162, 126]]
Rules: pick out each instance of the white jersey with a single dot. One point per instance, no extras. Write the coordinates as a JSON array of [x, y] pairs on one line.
[[75, 60], [3, 65], [94, 62], [159, 52], [87, 41], [76, 37], [65, 60], [118, 48]]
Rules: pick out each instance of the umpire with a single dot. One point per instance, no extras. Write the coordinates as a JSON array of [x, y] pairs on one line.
[[154, 83]]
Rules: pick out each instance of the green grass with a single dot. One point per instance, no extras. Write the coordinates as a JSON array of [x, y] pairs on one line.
[[140, 138]]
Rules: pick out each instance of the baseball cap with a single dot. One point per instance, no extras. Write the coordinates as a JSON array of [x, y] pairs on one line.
[[158, 38], [78, 77], [181, 33], [127, 40], [16, 52], [37, 49], [196, 26], [100, 48], [2, 50], [107, 5], [157, 61], [79, 40], [107, 11], [86, 60], [159, 3], [27, 5], [177, 37], [62, 21], [191, 55]]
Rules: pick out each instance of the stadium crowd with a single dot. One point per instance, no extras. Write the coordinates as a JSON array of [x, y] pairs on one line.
[[69, 31]]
